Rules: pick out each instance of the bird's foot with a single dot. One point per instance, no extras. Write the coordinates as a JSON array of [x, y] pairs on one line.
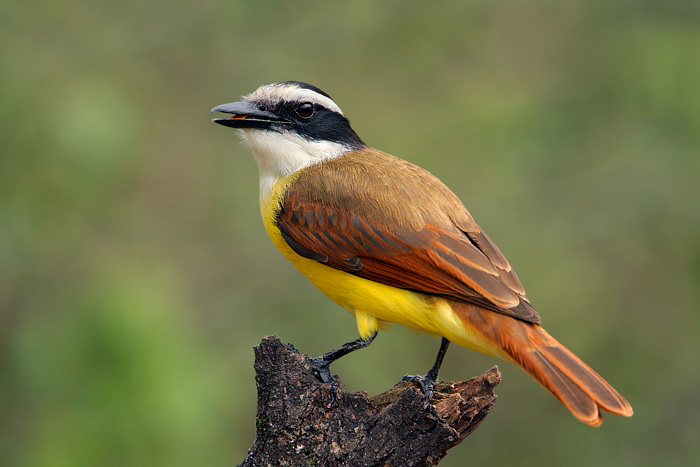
[[322, 368], [427, 384], [321, 365]]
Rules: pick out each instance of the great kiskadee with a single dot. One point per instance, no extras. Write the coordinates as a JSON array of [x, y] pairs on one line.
[[389, 242]]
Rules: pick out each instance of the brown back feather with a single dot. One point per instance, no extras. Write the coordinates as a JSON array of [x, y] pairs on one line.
[[384, 219]]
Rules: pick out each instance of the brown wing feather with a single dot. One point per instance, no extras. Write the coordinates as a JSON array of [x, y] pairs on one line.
[[367, 213]]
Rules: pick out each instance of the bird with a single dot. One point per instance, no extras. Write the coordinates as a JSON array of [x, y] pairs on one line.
[[390, 243]]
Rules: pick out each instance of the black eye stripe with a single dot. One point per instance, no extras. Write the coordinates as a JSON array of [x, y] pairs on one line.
[[321, 124]]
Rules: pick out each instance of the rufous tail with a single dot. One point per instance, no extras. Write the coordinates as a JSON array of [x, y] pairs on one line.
[[583, 391]]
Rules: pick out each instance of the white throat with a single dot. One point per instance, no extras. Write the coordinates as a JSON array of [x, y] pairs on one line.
[[279, 155]]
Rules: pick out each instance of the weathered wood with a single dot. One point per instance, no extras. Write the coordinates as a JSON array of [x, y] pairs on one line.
[[297, 425]]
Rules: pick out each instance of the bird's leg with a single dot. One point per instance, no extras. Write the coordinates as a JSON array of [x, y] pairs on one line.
[[321, 365], [427, 382]]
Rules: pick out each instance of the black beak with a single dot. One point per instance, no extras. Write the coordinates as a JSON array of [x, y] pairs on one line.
[[247, 115]]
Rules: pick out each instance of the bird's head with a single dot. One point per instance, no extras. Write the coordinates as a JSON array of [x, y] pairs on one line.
[[289, 126]]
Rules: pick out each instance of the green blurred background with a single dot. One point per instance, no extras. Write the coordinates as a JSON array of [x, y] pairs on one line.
[[135, 274]]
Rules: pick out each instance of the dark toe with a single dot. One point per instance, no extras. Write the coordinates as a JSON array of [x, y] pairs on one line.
[[426, 384]]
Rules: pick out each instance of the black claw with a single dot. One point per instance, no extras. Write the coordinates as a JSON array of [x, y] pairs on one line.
[[322, 369], [321, 365], [427, 385], [427, 382]]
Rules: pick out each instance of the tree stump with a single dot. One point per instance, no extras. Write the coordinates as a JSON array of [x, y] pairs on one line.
[[298, 426]]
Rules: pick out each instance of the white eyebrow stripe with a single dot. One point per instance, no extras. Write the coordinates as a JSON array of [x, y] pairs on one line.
[[293, 93], [301, 95]]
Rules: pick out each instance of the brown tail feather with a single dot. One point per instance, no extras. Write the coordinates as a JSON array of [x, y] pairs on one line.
[[583, 391]]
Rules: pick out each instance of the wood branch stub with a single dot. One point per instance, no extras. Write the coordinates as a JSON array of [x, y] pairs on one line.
[[297, 426]]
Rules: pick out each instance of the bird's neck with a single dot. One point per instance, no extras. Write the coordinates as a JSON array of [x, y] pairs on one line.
[[279, 155]]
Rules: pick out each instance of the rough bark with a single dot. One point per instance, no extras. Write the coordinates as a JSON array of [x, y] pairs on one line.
[[297, 425]]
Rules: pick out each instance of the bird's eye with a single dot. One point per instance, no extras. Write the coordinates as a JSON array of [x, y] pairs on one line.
[[305, 110]]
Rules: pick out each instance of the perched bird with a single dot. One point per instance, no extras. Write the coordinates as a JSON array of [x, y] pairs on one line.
[[389, 242]]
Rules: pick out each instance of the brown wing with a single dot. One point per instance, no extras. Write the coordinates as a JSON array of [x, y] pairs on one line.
[[386, 220]]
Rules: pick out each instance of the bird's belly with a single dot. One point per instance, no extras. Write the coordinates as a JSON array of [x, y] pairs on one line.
[[362, 296]]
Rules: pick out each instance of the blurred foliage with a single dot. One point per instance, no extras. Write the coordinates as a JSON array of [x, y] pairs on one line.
[[135, 275]]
